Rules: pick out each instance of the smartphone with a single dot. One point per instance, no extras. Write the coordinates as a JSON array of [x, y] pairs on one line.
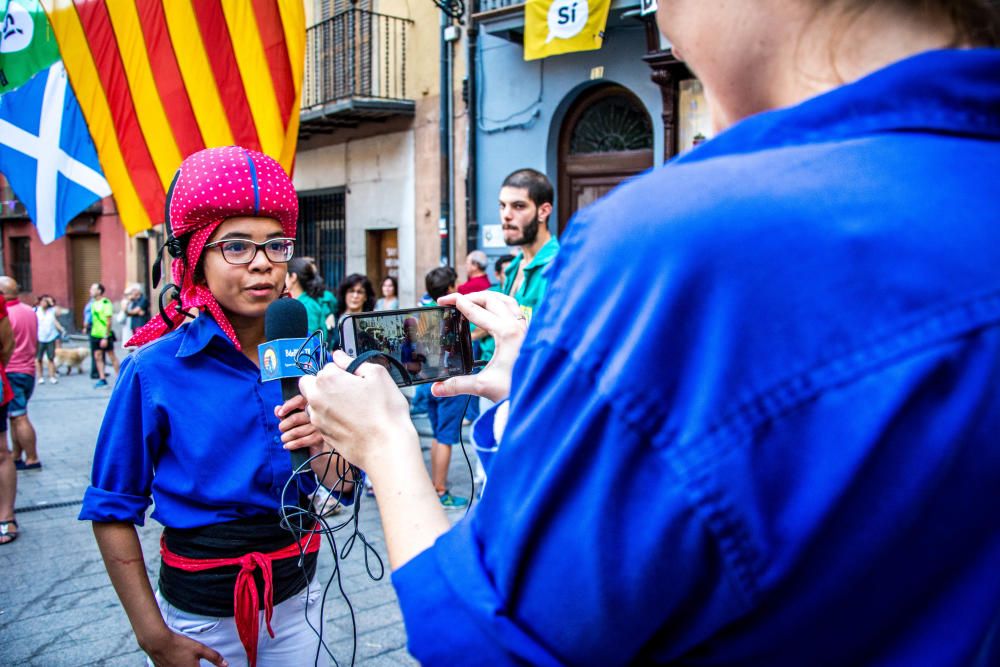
[[431, 343]]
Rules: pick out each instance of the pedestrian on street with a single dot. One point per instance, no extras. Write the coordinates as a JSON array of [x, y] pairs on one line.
[[305, 285], [329, 304], [444, 413], [486, 344], [134, 310], [355, 294], [49, 333], [191, 429], [102, 336], [390, 294], [755, 420], [88, 322], [21, 375], [477, 281], [475, 272], [8, 472], [525, 208]]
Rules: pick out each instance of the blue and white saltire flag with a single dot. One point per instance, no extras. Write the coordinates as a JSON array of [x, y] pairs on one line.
[[47, 154]]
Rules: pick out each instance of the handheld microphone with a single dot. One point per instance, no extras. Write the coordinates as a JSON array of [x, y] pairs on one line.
[[287, 318]]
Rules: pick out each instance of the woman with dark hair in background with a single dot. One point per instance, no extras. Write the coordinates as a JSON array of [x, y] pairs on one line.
[[776, 442], [390, 294], [305, 285], [355, 295]]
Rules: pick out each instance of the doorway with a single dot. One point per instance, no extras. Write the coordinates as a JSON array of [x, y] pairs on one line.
[[86, 257], [381, 255], [606, 137]]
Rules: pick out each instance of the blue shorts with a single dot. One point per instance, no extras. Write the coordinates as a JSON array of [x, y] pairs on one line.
[[23, 386], [445, 415]]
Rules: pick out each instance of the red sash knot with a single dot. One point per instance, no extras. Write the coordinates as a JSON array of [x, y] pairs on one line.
[[246, 604]]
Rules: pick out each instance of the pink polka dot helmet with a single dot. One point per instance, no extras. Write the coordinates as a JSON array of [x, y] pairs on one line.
[[210, 187]]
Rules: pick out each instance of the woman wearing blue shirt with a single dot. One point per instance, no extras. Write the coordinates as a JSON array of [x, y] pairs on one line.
[[191, 428], [781, 449]]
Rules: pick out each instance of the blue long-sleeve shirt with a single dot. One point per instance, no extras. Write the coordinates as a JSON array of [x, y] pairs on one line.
[[190, 426], [773, 439]]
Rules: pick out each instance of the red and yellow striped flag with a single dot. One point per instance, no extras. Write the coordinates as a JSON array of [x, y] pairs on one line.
[[160, 79]]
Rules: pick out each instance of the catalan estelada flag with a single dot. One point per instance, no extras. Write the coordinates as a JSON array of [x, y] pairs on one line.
[[158, 80]]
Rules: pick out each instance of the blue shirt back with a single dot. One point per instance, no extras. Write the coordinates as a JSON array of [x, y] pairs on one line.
[[773, 441], [191, 427]]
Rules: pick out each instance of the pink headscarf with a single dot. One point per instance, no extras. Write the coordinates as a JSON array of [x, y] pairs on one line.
[[210, 187]]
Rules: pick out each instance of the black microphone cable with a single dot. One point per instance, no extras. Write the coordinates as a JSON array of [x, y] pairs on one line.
[[304, 521]]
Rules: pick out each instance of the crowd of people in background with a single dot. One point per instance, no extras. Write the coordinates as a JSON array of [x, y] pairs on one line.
[[34, 344], [31, 337]]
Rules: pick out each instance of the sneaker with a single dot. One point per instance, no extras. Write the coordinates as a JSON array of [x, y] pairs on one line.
[[41, 380], [53, 380], [450, 502], [100, 383]]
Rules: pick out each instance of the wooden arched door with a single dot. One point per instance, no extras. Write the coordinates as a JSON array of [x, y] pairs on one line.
[[606, 137]]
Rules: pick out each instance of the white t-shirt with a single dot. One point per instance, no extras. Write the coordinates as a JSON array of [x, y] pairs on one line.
[[47, 331]]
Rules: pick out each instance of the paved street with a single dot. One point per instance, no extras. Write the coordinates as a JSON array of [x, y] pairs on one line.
[[57, 606]]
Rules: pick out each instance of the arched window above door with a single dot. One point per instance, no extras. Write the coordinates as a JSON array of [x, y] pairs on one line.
[[610, 125]]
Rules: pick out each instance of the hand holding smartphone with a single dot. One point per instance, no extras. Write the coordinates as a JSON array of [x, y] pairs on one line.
[[431, 343]]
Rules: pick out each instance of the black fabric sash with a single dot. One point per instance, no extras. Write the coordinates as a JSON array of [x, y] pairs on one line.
[[210, 593]]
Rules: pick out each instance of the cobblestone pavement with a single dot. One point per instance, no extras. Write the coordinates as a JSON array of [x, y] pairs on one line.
[[57, 606]]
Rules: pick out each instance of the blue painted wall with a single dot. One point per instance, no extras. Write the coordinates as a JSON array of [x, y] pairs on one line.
[[522, 105]]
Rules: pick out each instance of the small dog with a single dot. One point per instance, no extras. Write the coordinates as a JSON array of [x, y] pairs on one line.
[[71, 357]]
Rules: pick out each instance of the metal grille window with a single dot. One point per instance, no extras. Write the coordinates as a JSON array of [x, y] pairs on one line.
[[20, 261], [322, 233], [612, 124]]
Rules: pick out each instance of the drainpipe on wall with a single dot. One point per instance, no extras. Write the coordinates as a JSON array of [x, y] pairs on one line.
[[445, 221], [471, 103]]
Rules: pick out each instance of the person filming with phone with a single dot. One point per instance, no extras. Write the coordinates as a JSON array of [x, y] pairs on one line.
[[773, 438]]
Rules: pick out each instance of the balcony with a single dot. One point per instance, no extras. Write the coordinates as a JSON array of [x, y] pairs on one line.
[[497, 7], [505, 18], [501, 18], [13, 209], [355, 72]]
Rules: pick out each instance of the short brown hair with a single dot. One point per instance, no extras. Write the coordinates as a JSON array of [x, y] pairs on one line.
[[975, 22], [538, 185]]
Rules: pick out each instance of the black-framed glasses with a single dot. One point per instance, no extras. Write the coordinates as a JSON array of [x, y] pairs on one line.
[[243, 251]]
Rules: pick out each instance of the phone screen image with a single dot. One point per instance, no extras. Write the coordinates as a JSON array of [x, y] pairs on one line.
[[431, 343]]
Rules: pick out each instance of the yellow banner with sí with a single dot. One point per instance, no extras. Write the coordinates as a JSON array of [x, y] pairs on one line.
[[552, 27]]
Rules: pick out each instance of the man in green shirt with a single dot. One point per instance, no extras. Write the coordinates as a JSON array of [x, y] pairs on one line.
[[102, 337], [525, 207]]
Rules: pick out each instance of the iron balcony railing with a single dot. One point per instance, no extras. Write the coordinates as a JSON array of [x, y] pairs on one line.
[[356, 53], [493, 5]]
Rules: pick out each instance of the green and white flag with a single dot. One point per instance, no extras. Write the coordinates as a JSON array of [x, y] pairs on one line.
[[27, 43]]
